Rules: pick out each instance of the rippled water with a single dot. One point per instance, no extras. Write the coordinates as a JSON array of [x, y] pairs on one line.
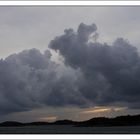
[[65, 129]]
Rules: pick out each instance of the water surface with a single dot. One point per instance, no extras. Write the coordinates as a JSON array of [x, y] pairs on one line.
[[68, 129]]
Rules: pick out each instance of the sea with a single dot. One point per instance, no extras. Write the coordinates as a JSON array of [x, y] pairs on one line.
[[69, 129]]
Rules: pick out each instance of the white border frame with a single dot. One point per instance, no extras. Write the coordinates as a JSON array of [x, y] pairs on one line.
[[70, 3], [70, 137]]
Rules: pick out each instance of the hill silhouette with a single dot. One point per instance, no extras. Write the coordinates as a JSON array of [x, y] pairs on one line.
[[64, 122], [11, 123], [117, 121], [99, 121]]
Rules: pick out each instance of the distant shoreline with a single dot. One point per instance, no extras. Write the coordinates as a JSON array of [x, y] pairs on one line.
[[129, 120]]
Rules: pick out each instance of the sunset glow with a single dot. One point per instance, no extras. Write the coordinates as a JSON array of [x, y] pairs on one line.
[[49, 118], [103, 110]]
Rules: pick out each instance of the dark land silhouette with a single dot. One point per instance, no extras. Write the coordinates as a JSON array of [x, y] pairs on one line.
[[129, 120]]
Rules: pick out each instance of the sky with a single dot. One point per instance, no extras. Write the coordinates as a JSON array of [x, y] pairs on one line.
[[69, 62]]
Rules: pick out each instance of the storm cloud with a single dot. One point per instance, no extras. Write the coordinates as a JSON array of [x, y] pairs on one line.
[[111, 73], [31, 80], [90, 74]]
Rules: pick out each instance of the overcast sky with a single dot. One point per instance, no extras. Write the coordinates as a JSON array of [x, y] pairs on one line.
[[40, 86], [33, 27]]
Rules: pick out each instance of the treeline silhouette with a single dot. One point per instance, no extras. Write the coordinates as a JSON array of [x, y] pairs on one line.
[[99, 121]]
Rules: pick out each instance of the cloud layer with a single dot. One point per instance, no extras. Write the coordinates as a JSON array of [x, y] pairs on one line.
[[111, 73], [30, 80], [92, 74]]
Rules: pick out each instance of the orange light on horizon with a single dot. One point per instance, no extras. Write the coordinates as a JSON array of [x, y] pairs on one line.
[[96, 110], [102, 110], [49, 118]]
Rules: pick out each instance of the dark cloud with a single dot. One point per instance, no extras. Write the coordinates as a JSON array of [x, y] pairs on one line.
[[111, 73], [84, 31], [92, 74], [30, 79]]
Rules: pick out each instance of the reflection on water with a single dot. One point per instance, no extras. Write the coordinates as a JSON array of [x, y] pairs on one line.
[[67, 129]]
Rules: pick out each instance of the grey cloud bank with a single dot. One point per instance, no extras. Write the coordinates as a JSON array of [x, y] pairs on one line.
[[30, 79], [93, 74], [110, 72]]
